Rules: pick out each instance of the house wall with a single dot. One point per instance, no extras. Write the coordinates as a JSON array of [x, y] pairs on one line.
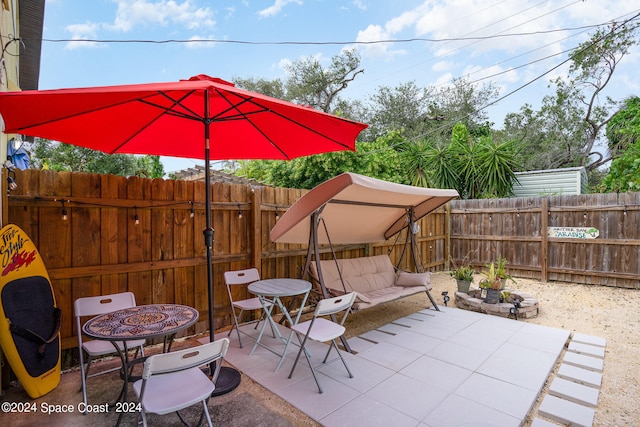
[[566, 181]]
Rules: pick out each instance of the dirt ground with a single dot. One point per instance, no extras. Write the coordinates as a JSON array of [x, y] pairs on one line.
[[610, 313]]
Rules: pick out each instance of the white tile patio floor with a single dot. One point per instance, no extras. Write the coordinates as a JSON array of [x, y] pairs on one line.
[[431, 368]]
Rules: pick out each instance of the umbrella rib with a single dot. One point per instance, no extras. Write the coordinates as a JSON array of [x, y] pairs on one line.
[[170, 111], [246, 117], [163, 110], [302, 125]]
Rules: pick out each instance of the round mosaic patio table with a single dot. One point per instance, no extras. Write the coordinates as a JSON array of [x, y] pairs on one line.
[[143, 321], [140, 322]]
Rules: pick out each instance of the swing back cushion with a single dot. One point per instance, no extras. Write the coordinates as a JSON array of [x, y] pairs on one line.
[[374, 279]]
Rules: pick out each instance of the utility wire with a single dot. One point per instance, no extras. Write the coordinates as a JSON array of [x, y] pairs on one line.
[[489, 104], [313, 43], [531, 51]]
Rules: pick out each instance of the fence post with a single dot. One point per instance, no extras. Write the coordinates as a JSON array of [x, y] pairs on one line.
[[256, 235], [447, 235], [544, 241]]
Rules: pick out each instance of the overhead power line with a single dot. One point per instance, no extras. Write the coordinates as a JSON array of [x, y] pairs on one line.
[[519, 88], [320, 43]]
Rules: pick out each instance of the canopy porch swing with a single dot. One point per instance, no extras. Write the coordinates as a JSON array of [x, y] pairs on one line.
[[356, 209]]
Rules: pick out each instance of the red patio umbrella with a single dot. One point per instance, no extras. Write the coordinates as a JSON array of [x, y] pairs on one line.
[[202, 117]]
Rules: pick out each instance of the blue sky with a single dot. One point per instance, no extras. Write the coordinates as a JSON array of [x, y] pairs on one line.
[[76, 63]]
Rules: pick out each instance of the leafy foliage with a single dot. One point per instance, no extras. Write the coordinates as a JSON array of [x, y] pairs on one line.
[[47, 154], [375, 159], [624, 127], [430, 112], [624, 174], [478, 167]]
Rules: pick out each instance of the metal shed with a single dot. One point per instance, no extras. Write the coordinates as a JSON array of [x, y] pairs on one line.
[[551, 182]]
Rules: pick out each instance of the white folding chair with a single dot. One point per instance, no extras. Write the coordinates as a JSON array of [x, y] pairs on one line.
[[173, 381], [243, 278], [93, 306], [321, 329]]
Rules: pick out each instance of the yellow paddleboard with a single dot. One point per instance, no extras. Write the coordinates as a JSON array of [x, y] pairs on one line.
[[29, 319]]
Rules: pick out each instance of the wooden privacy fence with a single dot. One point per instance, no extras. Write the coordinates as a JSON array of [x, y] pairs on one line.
[[516, 228], [101, 234]]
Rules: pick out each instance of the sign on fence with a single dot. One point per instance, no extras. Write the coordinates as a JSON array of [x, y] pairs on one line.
[[573, 232]]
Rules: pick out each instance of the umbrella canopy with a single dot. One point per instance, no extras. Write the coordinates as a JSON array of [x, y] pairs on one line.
[[169, 119], [202, 117], [357, 209]]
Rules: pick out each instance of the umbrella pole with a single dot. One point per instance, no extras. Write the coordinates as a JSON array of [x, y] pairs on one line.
[[208, 240], [228, 378]]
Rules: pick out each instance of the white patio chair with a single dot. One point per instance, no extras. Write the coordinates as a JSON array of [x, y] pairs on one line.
[[94, 306], [238, 307], [321, 329], [173, 381]]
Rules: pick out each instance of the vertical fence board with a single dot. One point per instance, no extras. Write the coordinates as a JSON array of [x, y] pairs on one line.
[[109, 229], [183, 243], [162, 238]]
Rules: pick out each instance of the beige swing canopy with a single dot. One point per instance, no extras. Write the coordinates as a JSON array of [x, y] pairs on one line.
[[357, 209]]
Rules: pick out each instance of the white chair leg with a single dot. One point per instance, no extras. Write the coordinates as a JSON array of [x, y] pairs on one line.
[[313, 372], [83, 377], [206, 413], [237, 326], [306, 355], [344, 362]]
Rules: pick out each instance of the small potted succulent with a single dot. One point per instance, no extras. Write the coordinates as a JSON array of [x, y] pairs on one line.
[[463, 274]]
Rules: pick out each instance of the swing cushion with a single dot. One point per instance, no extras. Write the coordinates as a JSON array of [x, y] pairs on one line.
[[413, 279], [372, 278]]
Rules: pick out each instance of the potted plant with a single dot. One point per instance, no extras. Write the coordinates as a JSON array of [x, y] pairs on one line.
[[495, 279], [463, 275]]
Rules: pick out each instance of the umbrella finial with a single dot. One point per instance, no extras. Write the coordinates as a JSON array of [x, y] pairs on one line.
[[211, 79]]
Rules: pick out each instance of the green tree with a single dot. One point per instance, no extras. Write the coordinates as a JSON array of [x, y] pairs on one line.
[[46, 154], [566, 130], [274, 88], [624, 174], [401, 108], [375, 159], [428, 113], [477, 167], [624, 127], [623, 132], [309, 83]]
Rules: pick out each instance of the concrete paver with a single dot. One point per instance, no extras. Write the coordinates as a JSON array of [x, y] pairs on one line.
[[574, 392], [566, 412]]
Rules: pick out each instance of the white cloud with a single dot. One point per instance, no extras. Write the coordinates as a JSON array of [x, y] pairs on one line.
[[284, 64], [142, 12], [441, 66], [88, 30], [131, 14], [376, 50], [231, 10], [197, 42], [360, 4], [444, 80], [277, 7]]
